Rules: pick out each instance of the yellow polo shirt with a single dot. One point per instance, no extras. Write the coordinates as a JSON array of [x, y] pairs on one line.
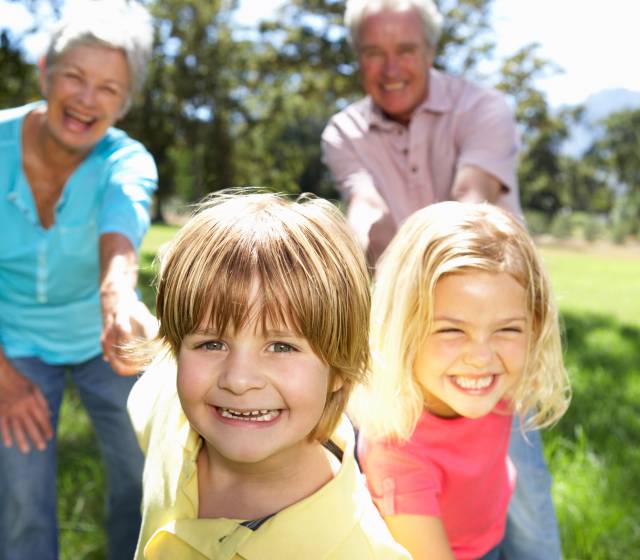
[[338, 522]]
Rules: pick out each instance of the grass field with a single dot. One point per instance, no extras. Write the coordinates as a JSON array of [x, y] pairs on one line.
[[593, 452]]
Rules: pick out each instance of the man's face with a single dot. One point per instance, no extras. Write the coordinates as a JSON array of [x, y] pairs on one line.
[[394, 62]]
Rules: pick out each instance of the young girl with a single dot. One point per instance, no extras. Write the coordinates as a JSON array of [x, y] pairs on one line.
[[464, 334], [264, 305]]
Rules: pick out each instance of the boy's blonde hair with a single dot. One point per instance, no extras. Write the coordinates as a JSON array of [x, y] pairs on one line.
[[311, 272], [438, 240]]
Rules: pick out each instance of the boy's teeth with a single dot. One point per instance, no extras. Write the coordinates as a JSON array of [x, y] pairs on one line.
[[250, 415], [473, 382]]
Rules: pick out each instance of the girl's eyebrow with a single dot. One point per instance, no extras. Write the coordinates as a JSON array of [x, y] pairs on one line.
[[445, 318]]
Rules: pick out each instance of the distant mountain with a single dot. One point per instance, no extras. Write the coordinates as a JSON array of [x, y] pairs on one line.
[[597, 107]]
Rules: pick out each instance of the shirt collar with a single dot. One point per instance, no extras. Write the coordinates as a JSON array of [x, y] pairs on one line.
[[337, 501], [438, 101]]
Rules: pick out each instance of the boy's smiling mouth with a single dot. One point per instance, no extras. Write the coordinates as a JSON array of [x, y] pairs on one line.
[[261, 415]]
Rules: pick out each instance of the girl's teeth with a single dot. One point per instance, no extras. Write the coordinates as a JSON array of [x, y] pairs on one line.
[[473, 382]]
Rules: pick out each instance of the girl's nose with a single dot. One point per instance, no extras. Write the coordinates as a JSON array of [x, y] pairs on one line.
[[478, 354]]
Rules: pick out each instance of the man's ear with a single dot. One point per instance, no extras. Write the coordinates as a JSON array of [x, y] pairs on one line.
[[42, 76]]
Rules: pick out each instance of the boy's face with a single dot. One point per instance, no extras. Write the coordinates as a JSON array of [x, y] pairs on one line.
[[253, 396], [476, 349]]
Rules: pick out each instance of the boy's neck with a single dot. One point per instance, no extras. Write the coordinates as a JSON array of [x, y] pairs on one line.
[[253, 491]]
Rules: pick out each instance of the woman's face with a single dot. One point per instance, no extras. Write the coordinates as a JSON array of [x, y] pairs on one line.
[[86, 91]]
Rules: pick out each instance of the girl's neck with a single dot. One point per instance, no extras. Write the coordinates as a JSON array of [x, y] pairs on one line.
[[253, 491]]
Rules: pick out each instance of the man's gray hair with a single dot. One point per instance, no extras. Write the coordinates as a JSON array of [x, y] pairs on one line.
[[117, 24], [357, 10]]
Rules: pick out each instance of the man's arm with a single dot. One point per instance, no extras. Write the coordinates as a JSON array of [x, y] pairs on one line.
[[488, 144], [472, 184], [367, 212]]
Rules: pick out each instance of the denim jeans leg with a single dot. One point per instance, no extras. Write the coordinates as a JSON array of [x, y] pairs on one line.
[[104, 394], [532, 529], [28, 524]]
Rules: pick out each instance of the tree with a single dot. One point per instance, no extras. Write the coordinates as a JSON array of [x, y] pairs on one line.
[[617, 152], [19, 83]]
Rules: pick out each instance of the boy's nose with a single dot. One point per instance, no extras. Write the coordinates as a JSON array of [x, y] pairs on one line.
[[240, 375]]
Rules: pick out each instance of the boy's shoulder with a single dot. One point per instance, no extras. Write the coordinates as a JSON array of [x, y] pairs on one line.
[[339, 521]]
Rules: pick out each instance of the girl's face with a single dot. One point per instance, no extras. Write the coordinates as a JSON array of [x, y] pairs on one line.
[[476, 349]]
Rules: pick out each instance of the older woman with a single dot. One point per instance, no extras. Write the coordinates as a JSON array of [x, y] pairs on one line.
[[74, 201]]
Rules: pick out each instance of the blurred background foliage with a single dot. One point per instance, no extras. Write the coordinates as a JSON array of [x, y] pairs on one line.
[[226, 105]]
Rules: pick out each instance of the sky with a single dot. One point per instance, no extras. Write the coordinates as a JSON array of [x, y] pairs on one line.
[[594, 42]]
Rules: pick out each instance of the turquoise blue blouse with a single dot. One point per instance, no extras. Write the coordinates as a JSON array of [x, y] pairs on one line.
[[49, 278]]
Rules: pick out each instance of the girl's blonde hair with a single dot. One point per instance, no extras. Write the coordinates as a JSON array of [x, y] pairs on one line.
[[311, 272], [442, 239]]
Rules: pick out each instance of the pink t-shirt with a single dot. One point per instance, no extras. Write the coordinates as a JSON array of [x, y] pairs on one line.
[[455, 469], [388, 171]]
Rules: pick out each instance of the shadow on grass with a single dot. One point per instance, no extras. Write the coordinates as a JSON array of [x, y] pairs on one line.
[[593, 452]]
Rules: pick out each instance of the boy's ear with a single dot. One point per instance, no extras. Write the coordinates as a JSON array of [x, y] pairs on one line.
[[337, 382]]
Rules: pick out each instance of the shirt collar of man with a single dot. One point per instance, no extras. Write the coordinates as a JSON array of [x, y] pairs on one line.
[[438, 100]]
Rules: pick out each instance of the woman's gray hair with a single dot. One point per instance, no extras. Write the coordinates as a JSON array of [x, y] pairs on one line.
[[357, 10], [118, 24]]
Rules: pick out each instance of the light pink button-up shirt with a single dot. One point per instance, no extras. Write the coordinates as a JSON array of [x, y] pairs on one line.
[[386, 171]]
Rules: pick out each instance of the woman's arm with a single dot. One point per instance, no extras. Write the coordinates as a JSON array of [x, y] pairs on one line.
[[124, 317], [423, 536]]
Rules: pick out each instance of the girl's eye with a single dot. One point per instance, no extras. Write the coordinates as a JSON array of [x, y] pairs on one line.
[[511, 330], [448, 330], [281, 347], [212, 345]]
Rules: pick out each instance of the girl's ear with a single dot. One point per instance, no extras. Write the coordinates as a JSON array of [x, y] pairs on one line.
[[42, 76]]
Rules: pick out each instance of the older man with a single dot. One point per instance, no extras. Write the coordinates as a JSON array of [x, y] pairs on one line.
[[419, 137]]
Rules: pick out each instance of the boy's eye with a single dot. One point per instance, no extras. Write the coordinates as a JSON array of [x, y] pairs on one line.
[[281, 347], [212, 345]]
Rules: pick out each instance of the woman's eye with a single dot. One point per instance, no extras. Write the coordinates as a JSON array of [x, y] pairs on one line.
[[281, 347], [109, 90]]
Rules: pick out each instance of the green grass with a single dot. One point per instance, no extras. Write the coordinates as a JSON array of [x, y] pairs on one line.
[[593, 453]]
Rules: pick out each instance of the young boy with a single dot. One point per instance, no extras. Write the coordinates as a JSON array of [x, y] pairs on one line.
[[264, 305]]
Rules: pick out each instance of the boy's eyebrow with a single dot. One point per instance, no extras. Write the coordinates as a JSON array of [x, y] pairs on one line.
[[279, 332], [205, 331]]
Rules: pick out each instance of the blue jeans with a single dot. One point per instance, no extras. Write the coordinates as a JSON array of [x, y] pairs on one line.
[[493, 554], [532, 529], [28, 525]]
